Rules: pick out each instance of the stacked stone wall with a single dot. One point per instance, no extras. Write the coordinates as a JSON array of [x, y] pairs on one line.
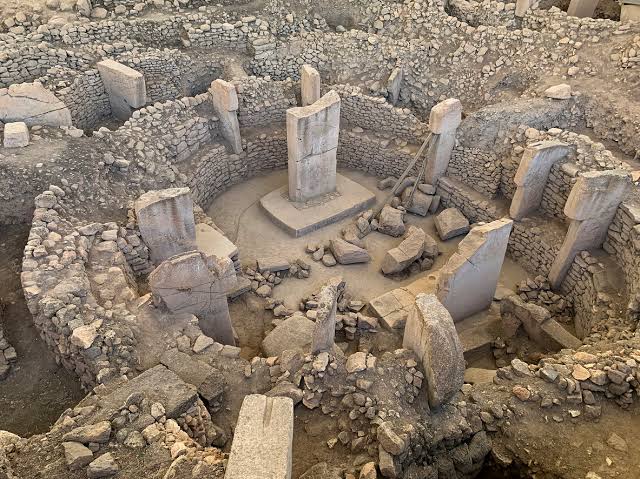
[[262, 102], [479, 169], [377, 156], [623, 243]]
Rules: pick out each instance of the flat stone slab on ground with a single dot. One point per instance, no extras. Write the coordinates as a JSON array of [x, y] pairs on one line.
[[351, 198], [347, 253], [451, 223], [213, 243], [272, 264], [16, 135]]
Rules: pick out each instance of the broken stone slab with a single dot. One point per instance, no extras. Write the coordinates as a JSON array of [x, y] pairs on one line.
[[325, 325], [209, 381], [125, 87], [16, 135], [166, 222], [272, 264], [309, 85], [431, 334], [479, 375], [394, 82], [582, 8], [451, 223], [391, 222], [399, 258], [558, 92], [347, 253], [393, 307], [420, 203], [213, 243], [312, 142], [104, 466], [32, 104], [446, 116], [262, 442], [468, 281], [532, 175], [225, 103], [286, 389], [94, 433], [294, 333], [76, 455]]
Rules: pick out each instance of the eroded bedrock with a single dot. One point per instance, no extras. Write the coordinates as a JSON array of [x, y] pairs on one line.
[[319, 240]]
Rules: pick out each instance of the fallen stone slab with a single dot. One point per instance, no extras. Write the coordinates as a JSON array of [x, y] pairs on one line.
[[451, 223], [76, 455], [347, 253], [262, 442], [431, 334], [295, 333], [273, 264], [104, 466], [325, 324], [125, 87], [391, 221], [479, 375], [558, 92], [393, 307], [209, 381], [420, 203], [399, 258], [16, 135], [32, 104], [213, 243]]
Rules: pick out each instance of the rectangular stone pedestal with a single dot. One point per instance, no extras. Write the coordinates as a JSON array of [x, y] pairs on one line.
[[299, 219]]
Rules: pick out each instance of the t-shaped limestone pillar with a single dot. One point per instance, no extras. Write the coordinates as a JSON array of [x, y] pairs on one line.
[[468, 281], [444, 120], [166, 222], [225, 104], [124, 85], [591, 206], [312, 141], [532, 174], [262, 441], [309, 85]]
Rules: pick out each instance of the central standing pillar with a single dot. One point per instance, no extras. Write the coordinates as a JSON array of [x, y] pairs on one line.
[[312, 142]]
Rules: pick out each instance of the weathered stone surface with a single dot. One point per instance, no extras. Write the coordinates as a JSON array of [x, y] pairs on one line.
[[399, 258], [294, 333], [309, 85], [558, 92], [582, 8], [431, 334], [262, 442], [451, 223], [446, 116], [391, 221], [325, 325], [419, 204], [272, 264], [347, 253], [468, 281], [225, 104], [209, 381], [322, 470], [286, 389], [125, 87], [32, 104], [104, 466], [166, 222], [16, 135], [213, 243], [312, 140], [76, 455], [98, 433]]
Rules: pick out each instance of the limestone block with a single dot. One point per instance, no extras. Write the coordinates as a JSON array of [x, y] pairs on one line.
[[32, 104], [522, 6], [16, 135], [347, 253], [295, 333], [213, 243], [394, 83], [309, 84], [325, 326], [597, 193], [399, 258], [582, 8], [312, 141], [558, 92], [391, 221], [439, 155], [166, 222], [446, 116], [451, 223], [125, 87], [431, 334], [225, 104], [262, 442], [531, 177], [420, 203], [629, 13], [468, 281]]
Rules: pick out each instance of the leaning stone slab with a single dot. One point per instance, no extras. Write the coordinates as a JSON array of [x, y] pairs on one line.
[[295, 333], [225, 104], [325, 328], [309, 85], [347, 253], [312, 141], [166, 222], [16, 135], [468, 281], [262, 442], [399, 258], [213, 243], [32, 104], [125, 87], [451, 223], [431, 334]]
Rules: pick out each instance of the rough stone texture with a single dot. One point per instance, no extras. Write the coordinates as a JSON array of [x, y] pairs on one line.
[[444, 119], [124, 85], [391, 221], [295, 332], [166, 222], [262, 442], [445, 116], [32, 104], [468, 281], [431, 334], [582, 8], [532, 174], [312, 140], [309, 85], [16, 135], [325, 324], [399, 258], [451, 223], [225, 104], [347, 253]]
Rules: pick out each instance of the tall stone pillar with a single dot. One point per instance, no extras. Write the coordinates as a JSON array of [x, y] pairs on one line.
[[196, 284], [225, 104], [262, 440], [125, 87], [394, 83], [582, 8], [312, 141], [591, 206], [166, 222], [444, 120], [531, 177], [325, 328], [309, 85], [468, 281]]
